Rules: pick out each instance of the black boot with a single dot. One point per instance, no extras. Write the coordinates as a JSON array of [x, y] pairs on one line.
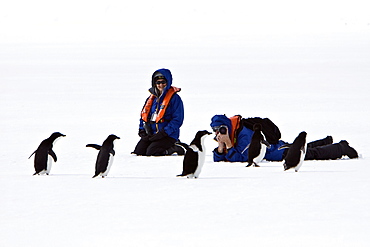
[[347, 150], [326, 141], [331, 152], [175, 149]]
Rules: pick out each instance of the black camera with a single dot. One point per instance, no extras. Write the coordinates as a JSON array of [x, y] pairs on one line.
[[147, 128], [223, 129]]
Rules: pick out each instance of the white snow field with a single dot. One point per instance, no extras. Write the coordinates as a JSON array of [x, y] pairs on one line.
[[87, 85]]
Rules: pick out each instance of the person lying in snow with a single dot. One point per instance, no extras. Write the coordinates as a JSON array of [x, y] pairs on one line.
[[161, 118], [232, 146]]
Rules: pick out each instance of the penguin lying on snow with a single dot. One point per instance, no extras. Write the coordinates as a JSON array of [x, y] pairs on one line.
[[296, 153], [105, 156], [43, 161], [257, 146], [194, 156]]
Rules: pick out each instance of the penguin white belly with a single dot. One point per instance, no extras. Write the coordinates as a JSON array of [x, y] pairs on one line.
[[199, 163], [303, 154], [110, 162], [201, 159], [48, 165], [260, 157]]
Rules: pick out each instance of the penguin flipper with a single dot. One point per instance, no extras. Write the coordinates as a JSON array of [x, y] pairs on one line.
[[32, 154], [96, 146], [285, 146], [266, 143], [112, 152], [52, 154], [190, 162]]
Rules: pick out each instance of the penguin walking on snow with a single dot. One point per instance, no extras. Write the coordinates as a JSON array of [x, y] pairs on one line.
[[43, 161], [195, 155], [257, 146], [296, 153], [105, 156]]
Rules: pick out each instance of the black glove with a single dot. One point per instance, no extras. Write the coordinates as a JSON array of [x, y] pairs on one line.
[[142, 133], [144, 136], [156, 137]]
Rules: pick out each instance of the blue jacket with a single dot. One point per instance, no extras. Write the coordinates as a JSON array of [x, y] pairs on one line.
[[174, 115], [239, 153]]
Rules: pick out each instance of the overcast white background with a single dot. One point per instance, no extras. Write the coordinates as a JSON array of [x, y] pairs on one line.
[[83, 68], [117, 20]]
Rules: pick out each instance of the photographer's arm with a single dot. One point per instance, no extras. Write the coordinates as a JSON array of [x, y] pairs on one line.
[[223, 141], [239, 153]]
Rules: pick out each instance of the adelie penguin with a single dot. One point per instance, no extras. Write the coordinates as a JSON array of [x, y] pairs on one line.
[[105, 156], [44, 154], [296, 152], [195, 155], [257, 146]]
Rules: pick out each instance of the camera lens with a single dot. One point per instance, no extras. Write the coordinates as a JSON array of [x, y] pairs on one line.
[[223, 130]]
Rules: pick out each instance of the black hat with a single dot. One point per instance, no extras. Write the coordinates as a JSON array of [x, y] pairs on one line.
[[157, 76]]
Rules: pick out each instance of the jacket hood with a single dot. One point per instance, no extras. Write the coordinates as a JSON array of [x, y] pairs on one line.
[[218, 120], [167, 74]]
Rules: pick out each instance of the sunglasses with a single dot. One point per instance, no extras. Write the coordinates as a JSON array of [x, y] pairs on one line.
[[222, 129], [160, 82], [216, 128]]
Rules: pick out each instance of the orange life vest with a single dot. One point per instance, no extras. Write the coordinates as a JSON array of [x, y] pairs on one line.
[[235, 124], [162, 107]]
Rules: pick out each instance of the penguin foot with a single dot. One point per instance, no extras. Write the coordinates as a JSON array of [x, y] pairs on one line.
[[253, 165]]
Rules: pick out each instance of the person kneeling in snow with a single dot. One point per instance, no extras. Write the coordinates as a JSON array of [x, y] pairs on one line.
[[161, 118], [233, 145]]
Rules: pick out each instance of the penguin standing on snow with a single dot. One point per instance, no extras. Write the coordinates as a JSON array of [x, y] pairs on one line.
[[195, 155], [105, 156], [296, 153], [43, 161], [257, 146]]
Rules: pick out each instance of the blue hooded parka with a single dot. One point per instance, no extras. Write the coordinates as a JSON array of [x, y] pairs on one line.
[[239, 153], [174, 115]]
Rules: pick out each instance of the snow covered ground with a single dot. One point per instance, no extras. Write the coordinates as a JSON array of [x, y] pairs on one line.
[[316, 81]]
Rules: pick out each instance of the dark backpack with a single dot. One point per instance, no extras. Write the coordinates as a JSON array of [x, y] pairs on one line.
[[269, 129]]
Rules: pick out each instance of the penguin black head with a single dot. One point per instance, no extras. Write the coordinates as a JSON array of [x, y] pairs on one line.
[[112, 137], [198, 137], [201, 133], [303, 134], [55, 135], [257, 127]]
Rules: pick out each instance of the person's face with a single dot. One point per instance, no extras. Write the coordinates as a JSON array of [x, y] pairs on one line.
[[161, 84]]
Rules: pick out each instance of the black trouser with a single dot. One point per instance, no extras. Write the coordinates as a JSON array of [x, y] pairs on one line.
[[328, 152], [156, 148], [320, 150]]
